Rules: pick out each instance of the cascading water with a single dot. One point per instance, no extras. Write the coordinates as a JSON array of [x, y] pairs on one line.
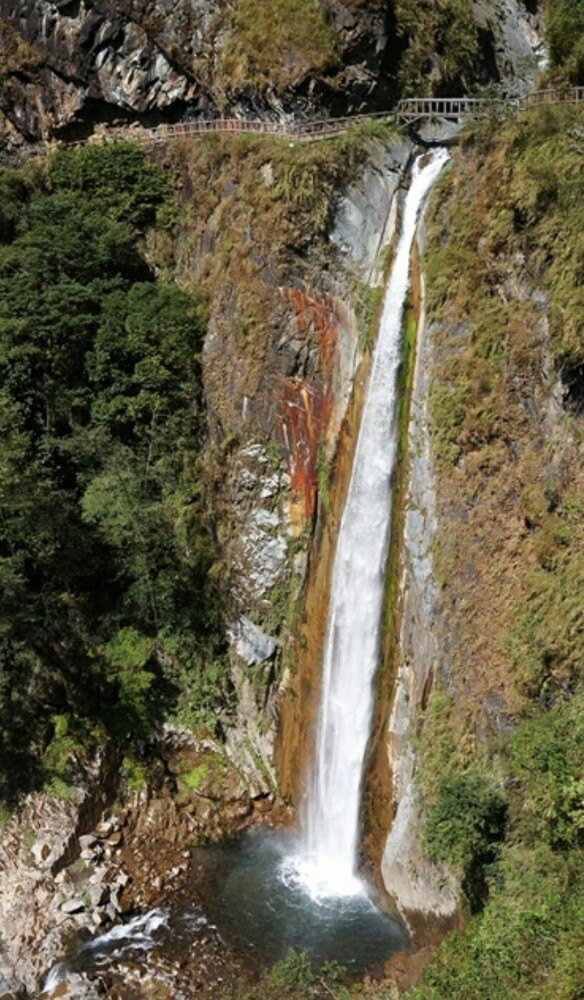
[[328, 861]]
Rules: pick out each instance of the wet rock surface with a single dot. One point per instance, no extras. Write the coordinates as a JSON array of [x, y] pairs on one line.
[[359, 230], [426, 894]]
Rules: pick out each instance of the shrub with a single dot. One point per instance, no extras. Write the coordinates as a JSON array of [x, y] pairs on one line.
[[105, 538], [463, 826], [294, 970], [526, 944], [544, 760]]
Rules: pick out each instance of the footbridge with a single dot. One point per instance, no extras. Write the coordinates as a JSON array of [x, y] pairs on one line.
[[408, 111]]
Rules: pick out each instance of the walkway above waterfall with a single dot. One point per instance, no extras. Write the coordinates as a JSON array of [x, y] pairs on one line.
[[407, 111]]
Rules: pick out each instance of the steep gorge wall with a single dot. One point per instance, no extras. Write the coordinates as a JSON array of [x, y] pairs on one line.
[[427, 895], [489, 632]]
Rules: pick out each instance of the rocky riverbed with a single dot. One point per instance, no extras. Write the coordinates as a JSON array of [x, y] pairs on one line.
[[72, 869]]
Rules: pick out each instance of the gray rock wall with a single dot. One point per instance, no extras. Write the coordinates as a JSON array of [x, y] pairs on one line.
[[97, 61], [426, 894]]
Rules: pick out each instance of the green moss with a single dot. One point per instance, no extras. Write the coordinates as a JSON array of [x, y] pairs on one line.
[[260, 764], [196, 776], [404, 392], [135, 774], [28, 838], [323, 477], [212, 768], [367, 304]]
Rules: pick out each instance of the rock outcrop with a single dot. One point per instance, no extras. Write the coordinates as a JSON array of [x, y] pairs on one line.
[[427, 895], [69, 67], [41, 904]]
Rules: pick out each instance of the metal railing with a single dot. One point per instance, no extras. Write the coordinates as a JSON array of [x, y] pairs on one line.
[[407, 110]]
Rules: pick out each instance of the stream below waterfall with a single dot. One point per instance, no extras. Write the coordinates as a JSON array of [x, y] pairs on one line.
[[248, 902]]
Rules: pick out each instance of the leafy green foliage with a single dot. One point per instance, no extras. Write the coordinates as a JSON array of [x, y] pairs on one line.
[[294, 970], [528, 942], [116, 177], [465, 820], [463, 825], [544, 763], [295, 976], [565, 37], [446, 28], [106, 603], [134, 774], [70, 743]]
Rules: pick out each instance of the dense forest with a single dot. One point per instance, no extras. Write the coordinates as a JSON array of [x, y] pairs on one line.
[[106, 543]]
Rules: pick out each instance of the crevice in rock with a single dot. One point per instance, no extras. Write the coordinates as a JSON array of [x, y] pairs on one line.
[[573, 381], [96, 111]]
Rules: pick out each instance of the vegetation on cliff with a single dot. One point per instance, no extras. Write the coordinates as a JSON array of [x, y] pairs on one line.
[[565, 37], [502, 737], [113, 583], [272, 42], [105, 540], [441, 42]]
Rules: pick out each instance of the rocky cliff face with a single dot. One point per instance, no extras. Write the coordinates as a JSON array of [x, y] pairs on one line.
[[426, 894], [68, 67], [286, 336], [289, 246]]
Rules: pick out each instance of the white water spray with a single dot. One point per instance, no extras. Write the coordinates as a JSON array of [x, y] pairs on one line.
[[327, 865]]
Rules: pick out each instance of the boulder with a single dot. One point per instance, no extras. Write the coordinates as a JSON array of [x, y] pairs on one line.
[[73, 906], [250, 643]]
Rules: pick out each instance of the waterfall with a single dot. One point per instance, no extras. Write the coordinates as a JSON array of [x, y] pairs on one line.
[[327, 863]]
